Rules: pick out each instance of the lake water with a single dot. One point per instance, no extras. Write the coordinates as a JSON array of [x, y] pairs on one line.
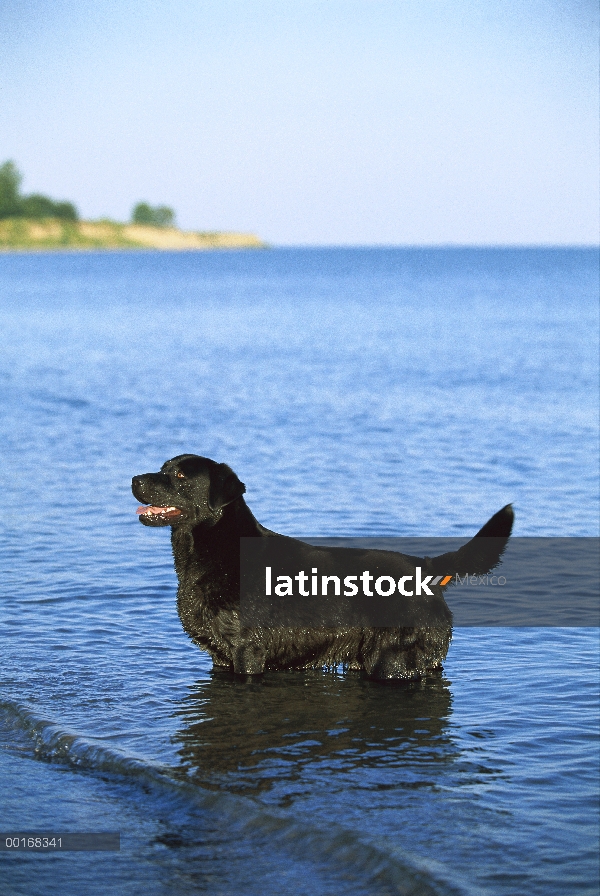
[[356, 392]]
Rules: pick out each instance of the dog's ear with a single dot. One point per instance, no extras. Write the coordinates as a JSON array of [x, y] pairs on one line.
[[225, 487]]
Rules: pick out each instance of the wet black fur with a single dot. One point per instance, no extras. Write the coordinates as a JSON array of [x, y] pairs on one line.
[[206, 549]]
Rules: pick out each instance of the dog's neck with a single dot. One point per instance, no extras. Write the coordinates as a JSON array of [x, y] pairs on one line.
[[208, 543], [237, 517]]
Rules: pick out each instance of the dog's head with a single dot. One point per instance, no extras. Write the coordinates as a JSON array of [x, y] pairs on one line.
[[188, 490]]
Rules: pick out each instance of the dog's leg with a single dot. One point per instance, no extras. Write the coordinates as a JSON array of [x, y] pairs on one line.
[[393, 662], [408, 658], [249, 659]]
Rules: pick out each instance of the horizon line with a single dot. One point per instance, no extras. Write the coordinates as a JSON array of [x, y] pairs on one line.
[[274, 245]]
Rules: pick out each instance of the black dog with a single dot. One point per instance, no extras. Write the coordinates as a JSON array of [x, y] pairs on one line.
[[202, 502]]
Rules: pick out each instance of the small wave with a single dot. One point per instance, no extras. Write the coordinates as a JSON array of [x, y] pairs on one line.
[[50, 742], [375, 871]]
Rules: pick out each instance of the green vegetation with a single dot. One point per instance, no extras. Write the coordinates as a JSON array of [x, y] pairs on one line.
[[20, 233], [13, 205], [35, 222], [160, 216], [10, 181], [38, 206]]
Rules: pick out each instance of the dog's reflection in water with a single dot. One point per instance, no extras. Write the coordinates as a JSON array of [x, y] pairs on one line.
[[268, 733]]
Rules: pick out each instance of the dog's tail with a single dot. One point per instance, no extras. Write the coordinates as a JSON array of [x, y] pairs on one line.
[[483, 553]]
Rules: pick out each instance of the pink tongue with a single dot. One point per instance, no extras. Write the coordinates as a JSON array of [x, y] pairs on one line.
[[156, 510]]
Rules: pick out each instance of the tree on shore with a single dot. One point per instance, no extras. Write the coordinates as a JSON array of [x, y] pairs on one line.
[[10, 182], [159, 216], [13, 205], [38, 206]]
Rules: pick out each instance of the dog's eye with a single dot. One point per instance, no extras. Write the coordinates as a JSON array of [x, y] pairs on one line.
[[180, 475]]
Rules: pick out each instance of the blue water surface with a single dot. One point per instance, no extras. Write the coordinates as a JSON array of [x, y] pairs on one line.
[[356, 392]]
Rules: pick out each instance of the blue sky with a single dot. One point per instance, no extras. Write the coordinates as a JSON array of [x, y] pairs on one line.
[[333, 122]]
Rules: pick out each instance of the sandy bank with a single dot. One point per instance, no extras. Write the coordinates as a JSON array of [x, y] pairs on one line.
[[23, 234]]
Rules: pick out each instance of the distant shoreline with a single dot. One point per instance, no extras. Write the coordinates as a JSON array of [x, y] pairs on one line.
[[51, 234]]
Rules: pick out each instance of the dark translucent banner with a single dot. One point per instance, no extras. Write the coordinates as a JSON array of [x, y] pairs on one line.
[[398, 582], [53, 842]]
